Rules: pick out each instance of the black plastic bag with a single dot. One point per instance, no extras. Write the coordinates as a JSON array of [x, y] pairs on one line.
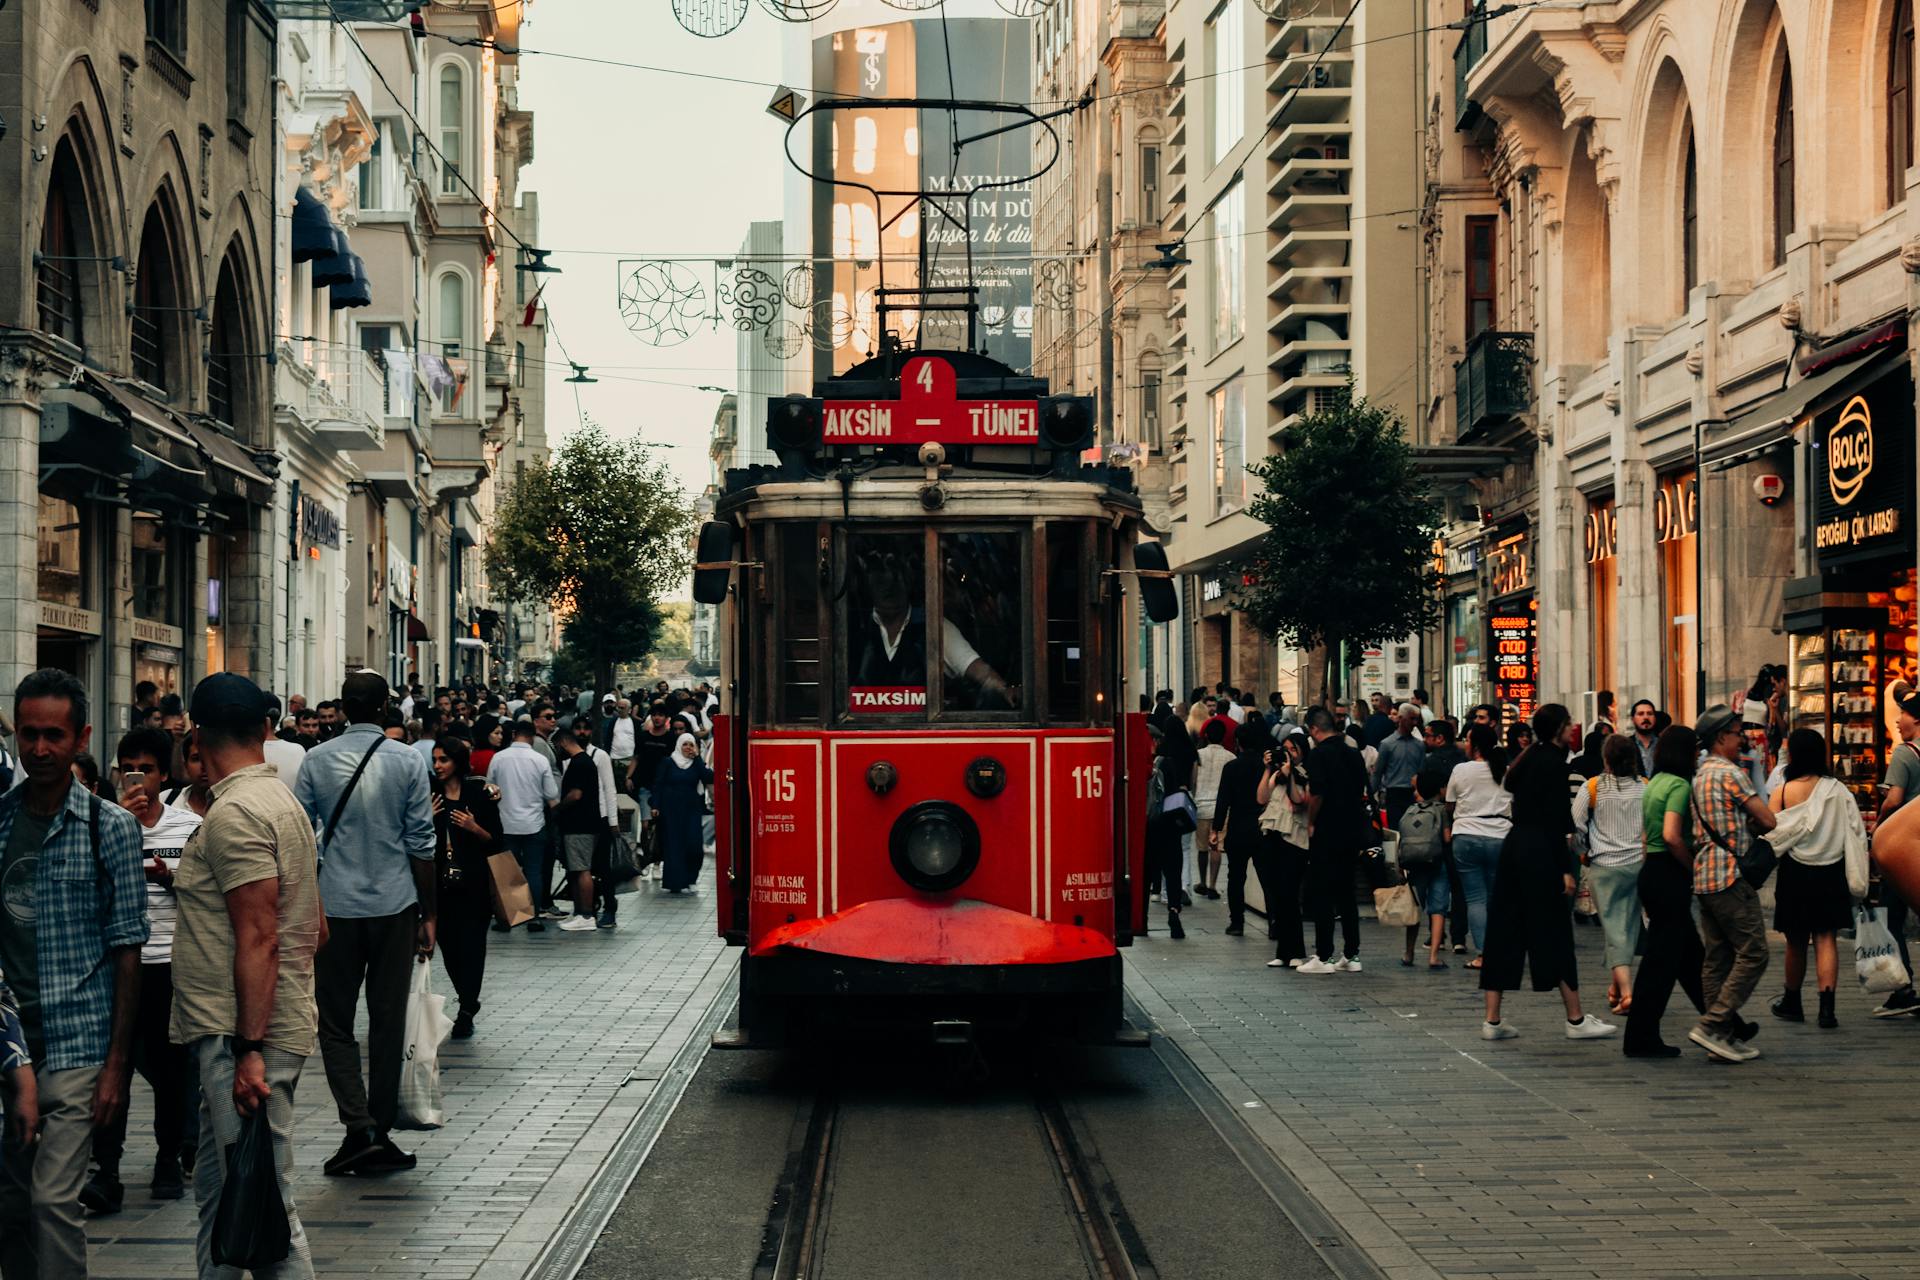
[[251, 1228]]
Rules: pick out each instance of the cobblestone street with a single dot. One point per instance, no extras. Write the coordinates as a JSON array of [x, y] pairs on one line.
[[1442, 1154]]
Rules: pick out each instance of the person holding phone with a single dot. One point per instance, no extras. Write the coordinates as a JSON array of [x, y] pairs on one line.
[[143, 756]]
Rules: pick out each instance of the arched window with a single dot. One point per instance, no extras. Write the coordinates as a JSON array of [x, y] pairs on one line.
[[452, 115], [1900, 103], [1689, 218], [1783, 179], [450, 324], [155, 301], [227, 350], [57, 278]]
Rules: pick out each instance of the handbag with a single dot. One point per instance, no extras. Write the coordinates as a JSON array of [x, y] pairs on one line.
[[418, 1104], [1180, 812], [1396, 906], [1756, 864], [251, 1230], [623, 865], [1876, 954], [512, 896], [1583, 903]]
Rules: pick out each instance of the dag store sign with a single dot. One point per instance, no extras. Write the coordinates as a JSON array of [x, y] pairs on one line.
[[927, 410], [1863, 474]]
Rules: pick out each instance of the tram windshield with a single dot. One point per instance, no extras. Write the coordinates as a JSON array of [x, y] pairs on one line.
[[979, 638]]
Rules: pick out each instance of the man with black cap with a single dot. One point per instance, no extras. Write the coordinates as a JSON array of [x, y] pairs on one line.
[[375, 808], [1732, 926], [249, 924]]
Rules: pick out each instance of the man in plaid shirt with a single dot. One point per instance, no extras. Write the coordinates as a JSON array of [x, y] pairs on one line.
[[1732, 926], [73, 913]]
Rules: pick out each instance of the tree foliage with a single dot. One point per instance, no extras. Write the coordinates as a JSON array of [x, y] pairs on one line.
[[599, 532], [675, 636], [1348, 551]]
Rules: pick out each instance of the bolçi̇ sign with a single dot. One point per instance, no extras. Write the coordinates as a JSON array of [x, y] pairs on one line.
[[1863, 474]]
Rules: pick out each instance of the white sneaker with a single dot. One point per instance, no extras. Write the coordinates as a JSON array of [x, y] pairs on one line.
[[1277, 964], [1721, 1047], [1347, 964], [1314, 964], [578, 924], [1497, 1031], [1590, 1028], [1296, 962]]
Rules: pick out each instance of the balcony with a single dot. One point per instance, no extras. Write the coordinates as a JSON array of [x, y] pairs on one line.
[[1308, 32], [1466, 54], [337, 393], [1493, 385]]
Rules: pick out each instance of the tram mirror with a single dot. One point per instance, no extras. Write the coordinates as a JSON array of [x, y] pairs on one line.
[[1157, 595], [713, 559]]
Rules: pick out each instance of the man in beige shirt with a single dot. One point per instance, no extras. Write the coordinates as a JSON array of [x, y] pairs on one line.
[[249, 924]]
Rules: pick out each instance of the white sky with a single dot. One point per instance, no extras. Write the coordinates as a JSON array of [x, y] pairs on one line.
[[640, 164]]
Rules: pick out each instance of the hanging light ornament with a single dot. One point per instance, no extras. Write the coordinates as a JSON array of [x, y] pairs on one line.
[[661, 302], [798, 10], [709, 19]]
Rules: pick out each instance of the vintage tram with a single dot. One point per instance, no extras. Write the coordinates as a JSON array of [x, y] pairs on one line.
[[930, 794]]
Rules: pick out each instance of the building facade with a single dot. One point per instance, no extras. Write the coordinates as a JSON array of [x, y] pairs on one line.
[[1672, 262], [137, 450]]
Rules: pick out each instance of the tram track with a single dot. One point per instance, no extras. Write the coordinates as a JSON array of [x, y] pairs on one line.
[[794, 1239]]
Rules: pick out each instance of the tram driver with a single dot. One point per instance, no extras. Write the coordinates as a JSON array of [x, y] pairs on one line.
[[890, 645]]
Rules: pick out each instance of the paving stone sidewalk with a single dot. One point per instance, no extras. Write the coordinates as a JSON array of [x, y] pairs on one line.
[[1446, 1155], [534, 1104]]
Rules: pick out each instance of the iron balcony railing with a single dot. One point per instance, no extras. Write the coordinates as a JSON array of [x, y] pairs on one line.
[[1494, 383]]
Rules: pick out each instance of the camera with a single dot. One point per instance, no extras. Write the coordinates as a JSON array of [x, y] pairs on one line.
[[932, 454]]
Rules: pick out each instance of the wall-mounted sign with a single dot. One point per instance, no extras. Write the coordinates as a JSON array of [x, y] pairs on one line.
[[1863, 487], [157, 633], [1676, 507], [1512, 640], [68, 618], [319, 527], [1510, 562], [399, 577], [928, 410], [1463, 559], [1603, 533], [1212, 589]]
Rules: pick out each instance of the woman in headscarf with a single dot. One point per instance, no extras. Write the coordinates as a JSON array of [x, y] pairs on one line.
[[675, 797]]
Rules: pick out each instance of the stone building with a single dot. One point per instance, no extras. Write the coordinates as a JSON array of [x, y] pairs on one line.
[[1672, 258], [137, 460]]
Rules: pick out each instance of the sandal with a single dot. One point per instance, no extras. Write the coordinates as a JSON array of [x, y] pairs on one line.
[[1406, 961], [1474, 963], [1437, 964]]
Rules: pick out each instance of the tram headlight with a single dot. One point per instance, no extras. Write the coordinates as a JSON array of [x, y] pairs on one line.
[[935, 846]]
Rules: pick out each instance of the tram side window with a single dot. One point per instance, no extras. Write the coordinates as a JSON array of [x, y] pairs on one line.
[[800, 647], [985, 621], [1066, 622]]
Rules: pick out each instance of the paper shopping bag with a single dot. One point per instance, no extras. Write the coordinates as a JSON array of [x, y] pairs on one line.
[[512, 898]]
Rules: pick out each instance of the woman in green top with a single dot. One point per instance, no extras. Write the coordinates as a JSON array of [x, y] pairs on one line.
[[1672, 945]]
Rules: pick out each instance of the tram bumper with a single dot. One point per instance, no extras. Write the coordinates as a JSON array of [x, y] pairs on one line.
[[904, 961]]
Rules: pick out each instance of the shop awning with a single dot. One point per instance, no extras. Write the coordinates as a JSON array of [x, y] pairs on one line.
[[335, 266], [235, 474], [166, 456], [80, 430], [1455, 463], [1773, 420], [356, 292], [313, 228], [468, 642], [416, 629]]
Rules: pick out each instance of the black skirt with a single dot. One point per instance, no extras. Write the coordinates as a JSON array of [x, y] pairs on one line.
[[1811, 899], [1530, 917]]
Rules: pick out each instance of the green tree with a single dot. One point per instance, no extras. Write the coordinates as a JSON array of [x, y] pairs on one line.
[[1348, 552], [598, 532], [675, 636]]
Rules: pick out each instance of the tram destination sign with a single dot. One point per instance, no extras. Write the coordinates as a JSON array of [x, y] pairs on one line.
[[928, 411]]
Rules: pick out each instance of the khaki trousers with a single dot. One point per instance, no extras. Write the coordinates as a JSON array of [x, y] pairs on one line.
[[43, 1232]]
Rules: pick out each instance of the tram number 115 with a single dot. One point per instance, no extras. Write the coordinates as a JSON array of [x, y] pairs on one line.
[[1089, 782], [778, 786]]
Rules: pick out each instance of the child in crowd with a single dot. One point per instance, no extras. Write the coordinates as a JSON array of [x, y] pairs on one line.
[[17, 1086]]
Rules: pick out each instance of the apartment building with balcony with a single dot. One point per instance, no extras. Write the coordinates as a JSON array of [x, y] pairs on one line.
[[1673, 254], [1292, 180], [136, 449]]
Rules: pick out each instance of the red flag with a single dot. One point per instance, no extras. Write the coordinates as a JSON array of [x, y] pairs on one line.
[[533, 304]]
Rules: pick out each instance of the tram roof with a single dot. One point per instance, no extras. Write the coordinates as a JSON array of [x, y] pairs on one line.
[[893, 492]]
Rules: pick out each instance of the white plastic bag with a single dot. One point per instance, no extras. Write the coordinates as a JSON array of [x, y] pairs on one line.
[[1875, 956], [419, 1105]]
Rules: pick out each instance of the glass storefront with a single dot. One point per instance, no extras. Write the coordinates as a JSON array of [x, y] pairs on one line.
[[154, 575], [221, 557], [69, 629], [1464, 673]]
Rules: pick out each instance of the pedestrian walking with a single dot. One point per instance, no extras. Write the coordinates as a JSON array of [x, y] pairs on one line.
[[73, 918], [243, 969], [528, 790], [577, 816], [466, 819], [1179, 761], [1530, 918], [1237, 807], [1400, 756], [602, 905], [144, 756], [675, 797], [377, 881], [1670, 942], [19, 1090], [489, 739], [1336, 830], [1165, 823], [1819, 832], [1732, 928], [1423, 859], [1210, 762], [1479, 818], [1282, 860], [1611, 826]]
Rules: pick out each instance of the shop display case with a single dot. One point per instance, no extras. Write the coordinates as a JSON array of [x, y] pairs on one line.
[[1840, 677]]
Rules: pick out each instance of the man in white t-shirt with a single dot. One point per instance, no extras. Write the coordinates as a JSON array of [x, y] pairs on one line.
[[144, 756]]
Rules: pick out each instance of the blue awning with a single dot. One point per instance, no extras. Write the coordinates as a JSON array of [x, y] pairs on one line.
[[336, 266], [355, 292], [313, 228]]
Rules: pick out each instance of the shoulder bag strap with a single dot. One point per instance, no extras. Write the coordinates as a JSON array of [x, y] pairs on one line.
[[340, 805], [1700, 814]]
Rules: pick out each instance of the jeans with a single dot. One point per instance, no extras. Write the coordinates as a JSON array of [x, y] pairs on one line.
[[529, 851], [1478, 858], [220, 1127], [43, 1233], [165, 1066], [1330, 874], [1734, 933], [1616, 896], [1238, 855], [376, 952], [1429, 883]]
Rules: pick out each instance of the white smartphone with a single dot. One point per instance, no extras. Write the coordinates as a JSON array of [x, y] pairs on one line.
[[133, 780]]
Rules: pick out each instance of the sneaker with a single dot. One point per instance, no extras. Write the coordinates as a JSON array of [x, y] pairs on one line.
[[1347, 964], [168, 1182], [606, 921], [501, 926], [386, 1158], [1722, 1047], [1296, 962], [1497, 1031], [1899, 1004], [1314, 964], [1787, 1006], [1281, 964], [536, 926], [104, 1194], [357, 1150], [1235, 930], [1590, 1028], [463, 1027], [577, 924]]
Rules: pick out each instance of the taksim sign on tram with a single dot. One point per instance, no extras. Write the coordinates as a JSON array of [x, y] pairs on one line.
[[928, 412]]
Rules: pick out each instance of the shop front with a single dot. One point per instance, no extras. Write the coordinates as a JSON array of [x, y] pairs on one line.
[[1512, 624], [1603, 594], [1463, 637]]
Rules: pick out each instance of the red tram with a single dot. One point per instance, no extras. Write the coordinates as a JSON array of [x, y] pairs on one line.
[[919, 824]]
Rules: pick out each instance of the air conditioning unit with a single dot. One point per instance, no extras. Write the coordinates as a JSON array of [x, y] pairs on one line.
[[1323, 77]]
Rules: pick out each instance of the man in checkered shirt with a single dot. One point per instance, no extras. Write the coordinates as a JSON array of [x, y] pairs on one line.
[[1732, 926]]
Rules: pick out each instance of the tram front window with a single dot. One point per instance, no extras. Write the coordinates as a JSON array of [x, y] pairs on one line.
[[888, 641]]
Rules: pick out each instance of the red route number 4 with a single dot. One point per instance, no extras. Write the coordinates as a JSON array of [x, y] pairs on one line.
[[928, 411]]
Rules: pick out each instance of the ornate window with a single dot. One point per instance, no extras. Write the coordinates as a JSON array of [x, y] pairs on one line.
[[225, 372], [1900, 103], [56, 280], [450, 324], [153, 315], [452, 116], [1689, 218], [1783, 176], [1483, 293]]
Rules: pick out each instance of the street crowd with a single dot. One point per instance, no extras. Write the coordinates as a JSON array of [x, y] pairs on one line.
[[1498, 834], [210, 909]]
